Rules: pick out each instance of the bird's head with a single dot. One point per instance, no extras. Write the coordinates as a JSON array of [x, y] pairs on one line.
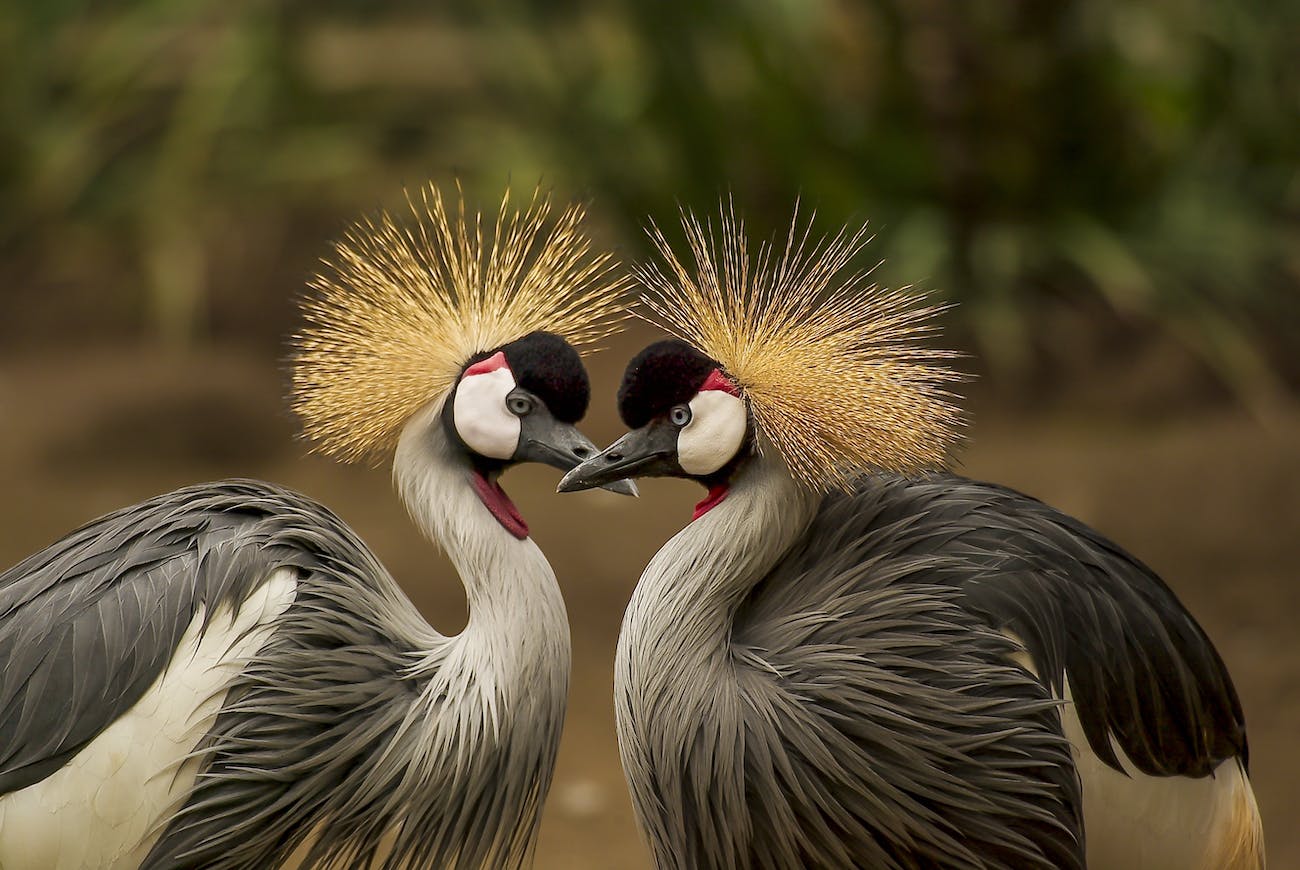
[[520, 403], [688, 419], [782, 353], [433, 331]]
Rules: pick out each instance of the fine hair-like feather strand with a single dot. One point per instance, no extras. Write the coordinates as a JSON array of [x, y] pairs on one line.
[[830, 363], [401, 307]]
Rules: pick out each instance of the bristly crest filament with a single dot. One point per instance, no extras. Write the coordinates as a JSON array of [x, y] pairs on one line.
[[830, 363], [403, 305]]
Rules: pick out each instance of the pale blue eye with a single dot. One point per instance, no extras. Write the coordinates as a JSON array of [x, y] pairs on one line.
[[680, 415]]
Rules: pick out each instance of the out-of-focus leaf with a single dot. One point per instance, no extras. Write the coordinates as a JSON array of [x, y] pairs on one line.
[[1127, 162]]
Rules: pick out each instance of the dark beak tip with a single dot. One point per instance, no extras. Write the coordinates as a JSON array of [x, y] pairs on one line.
[[573, 482], [569, 483]]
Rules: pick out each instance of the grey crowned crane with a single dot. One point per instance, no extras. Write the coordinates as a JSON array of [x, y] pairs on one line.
[[850, 658], [223, 674]]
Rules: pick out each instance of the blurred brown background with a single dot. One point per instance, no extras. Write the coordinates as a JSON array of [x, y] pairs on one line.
[[1109, 191]]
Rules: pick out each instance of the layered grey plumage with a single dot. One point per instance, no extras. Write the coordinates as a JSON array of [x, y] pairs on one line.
[[796, 689], [355, 727], [838, 682], [323, 734]]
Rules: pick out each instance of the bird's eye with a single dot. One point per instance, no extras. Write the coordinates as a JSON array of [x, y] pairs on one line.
[[680, 415], [520, 406]]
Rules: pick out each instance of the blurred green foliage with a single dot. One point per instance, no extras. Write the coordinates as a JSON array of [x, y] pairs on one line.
[[1079, 176]]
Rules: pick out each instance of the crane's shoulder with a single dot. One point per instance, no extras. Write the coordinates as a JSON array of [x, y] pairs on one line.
[[1143, 673], [248, 514], [900, 706], [90, 622]]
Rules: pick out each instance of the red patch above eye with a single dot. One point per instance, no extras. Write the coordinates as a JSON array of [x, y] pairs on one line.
[[491, 364], [718, 381]]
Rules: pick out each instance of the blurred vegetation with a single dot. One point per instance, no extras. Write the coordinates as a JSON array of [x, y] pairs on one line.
[[1086, 179]]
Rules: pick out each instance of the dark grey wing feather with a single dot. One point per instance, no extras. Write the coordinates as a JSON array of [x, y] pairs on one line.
[[1139, 665], [311, 738], [908, 737], [287, 753], [88, 623]]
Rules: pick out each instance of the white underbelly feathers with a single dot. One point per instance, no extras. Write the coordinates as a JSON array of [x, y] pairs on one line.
[[106, 807]]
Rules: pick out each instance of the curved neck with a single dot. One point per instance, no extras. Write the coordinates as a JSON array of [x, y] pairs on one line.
[[693, 585], [488, 704], [675, 648], [517, 621]]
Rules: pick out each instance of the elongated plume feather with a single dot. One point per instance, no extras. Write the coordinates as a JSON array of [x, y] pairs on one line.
[[830, 362], [402, 306]]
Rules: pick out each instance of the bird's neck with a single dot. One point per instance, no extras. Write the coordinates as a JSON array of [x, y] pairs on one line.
[[515, 645], [675, 666], [688, 595]]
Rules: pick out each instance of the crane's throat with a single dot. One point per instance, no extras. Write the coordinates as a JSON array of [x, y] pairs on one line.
[[716, 494], [494, 498]]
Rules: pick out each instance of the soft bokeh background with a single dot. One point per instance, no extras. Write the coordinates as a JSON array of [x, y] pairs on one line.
[[1109, 190]]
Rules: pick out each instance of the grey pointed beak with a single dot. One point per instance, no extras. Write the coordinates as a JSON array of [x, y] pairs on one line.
[[650, 451], [544, 439]]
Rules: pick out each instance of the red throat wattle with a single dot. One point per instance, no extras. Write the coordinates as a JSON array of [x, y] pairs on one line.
[[717, 493], [494, 498]]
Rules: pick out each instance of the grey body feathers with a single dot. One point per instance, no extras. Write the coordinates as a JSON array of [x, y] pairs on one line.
[[849, 695], [331, 731]]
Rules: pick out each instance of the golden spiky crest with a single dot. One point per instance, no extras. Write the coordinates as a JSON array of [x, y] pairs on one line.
[[830, 363], [402, 307]]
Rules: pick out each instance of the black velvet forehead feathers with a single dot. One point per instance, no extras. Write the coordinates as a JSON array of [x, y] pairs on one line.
[[665, 374], [548, 367]]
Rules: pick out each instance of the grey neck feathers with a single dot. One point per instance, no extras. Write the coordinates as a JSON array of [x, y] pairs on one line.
[[674, 663], [517, 620], [492, 706], [688, 594]]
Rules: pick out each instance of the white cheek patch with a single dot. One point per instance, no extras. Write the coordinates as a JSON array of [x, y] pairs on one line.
[[482, 419], [716, 430]]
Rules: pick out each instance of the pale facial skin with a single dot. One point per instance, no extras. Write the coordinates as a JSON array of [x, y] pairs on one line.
[[520, 404], [688, 419]]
